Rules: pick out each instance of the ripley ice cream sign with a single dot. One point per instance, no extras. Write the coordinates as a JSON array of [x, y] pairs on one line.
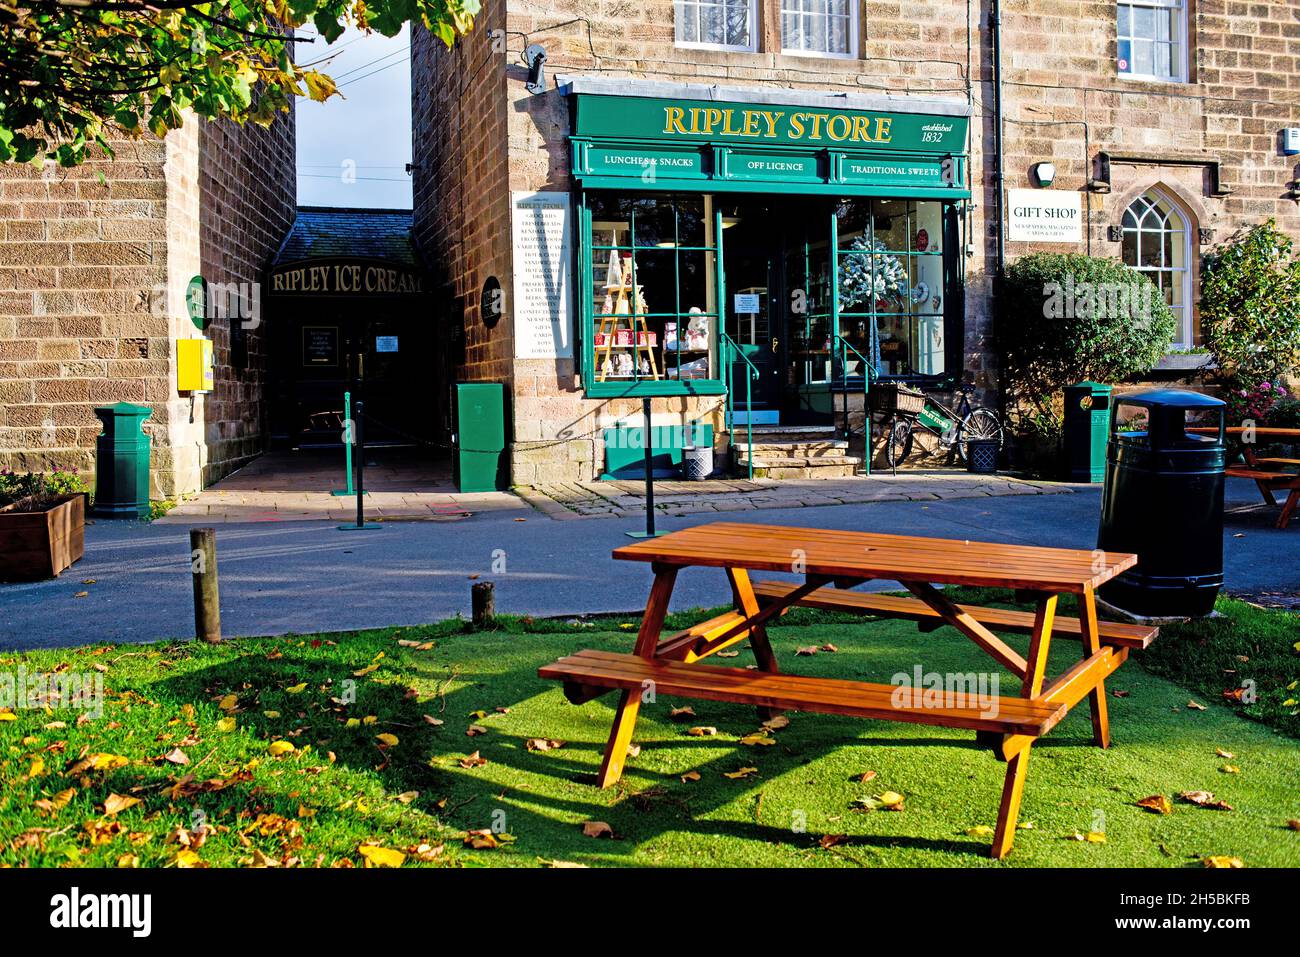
[[1044, 216]]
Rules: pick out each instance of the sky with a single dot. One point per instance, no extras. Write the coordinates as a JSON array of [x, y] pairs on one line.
[[353, 151]]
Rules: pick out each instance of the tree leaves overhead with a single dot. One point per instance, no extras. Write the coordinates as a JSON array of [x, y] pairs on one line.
[[78, 73]]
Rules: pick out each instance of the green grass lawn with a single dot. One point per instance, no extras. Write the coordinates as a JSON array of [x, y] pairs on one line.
[[292, 769]]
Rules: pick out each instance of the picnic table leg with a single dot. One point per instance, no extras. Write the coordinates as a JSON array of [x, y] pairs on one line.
[[1013, 785], [747, 605], [1091, 645], [1292, 501], [1013, 788], [629, 702]]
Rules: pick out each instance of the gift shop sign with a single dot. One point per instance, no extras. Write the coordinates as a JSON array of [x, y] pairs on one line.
[[1044, 216]]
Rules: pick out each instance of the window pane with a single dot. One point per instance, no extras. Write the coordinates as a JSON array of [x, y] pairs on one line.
[[815, 33], [738, 23], [791, 33], [1144, 22], [1162, 60], [688, 23], [711, 25], [1129, 248], [1124, 20], [838, 38], [1143, 57]]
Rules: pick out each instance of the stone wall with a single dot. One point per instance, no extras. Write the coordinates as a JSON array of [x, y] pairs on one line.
[[92, 287]]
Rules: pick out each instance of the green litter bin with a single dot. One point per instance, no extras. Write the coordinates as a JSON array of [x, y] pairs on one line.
[[122, 462], [1087, 429]]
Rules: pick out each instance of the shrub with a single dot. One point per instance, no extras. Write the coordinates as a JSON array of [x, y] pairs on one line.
[[41, 488], [1065, 317], [1250, 306]]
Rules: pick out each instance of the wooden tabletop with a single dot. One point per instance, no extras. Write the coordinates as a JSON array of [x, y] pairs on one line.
[[868, 555]]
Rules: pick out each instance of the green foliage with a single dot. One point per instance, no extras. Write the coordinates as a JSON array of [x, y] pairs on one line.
[[78, 74], [1250, 306], [1066, 317], [39, 489]]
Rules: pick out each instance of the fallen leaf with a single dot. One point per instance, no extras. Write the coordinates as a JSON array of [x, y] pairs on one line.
[[776, 723], [226, 725], [829, 647], [1157, 804], [1230, 769], [1222, 860], [128, 861], [1224, 754], [377, 856], [695, 776], [678, 713], [828, 841], [473, 761], [474, 730], [185, 858], [759, 739], [277, 748], [388, 739], [597, 829], [296, 689], [1120, 694], [406, 797], [543, 744], [228, 703], [702, 732], [176, 756], [270, 715], [740, 773], [81, 594], [979, 830], [1195, 705], [116, 803], [1293, 824], [430, 719], [806, 650]]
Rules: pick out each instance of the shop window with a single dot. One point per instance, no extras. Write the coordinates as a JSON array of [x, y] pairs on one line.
[[716, 24], [891, 282], [652, 295], [1152, 38], [1156, 240], [819, 27]]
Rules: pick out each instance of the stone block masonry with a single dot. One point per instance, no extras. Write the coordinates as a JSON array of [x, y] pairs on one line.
[[94, 263]]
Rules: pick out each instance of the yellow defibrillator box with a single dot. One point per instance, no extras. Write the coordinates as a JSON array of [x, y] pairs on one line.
[[194, 365]]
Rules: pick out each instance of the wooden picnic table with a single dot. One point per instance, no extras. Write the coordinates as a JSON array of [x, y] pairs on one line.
[[1269, 473], [831, 562]]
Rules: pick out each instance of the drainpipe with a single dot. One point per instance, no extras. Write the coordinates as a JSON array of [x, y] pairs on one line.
[[999, 175]]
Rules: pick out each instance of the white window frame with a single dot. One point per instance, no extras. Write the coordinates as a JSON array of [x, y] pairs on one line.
[[1179, 36], [754, 28], [852, 53], [1154, 196]]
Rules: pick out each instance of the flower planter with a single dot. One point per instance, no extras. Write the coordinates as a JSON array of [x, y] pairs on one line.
[[40, 544]]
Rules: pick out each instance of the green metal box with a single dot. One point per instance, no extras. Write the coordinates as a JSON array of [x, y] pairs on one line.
[[479, 462], [122, 462], [1087, 428]]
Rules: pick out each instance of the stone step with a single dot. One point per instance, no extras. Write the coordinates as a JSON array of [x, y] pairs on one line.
[[820, 471], [764, 434], [768, 449], [800, 461]]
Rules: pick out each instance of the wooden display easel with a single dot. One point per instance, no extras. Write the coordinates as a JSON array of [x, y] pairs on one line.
[[618, 307]]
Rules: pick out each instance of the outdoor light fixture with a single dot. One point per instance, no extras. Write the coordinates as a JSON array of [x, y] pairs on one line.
[[1044, 173], [535, 56]]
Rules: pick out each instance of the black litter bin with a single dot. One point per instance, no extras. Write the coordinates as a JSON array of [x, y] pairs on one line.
[[1163, 499]]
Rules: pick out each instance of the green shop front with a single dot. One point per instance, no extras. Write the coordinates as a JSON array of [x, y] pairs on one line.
[[776, 247]]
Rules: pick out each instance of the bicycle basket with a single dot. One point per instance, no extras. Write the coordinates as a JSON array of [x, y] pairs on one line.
[[893, 397]]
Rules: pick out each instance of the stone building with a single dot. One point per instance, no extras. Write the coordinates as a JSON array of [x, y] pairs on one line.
[[96, 265], [679, 197]]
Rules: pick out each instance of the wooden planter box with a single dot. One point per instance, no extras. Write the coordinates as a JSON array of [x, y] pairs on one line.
[[36, 545]]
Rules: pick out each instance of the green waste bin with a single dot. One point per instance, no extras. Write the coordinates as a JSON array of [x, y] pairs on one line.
[[1163, 500], [1087, 427], [122, 462], [478, 461]]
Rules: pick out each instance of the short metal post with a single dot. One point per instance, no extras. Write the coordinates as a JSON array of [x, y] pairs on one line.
[[347, 445], [207, 603], [359, 464], [649, 476]]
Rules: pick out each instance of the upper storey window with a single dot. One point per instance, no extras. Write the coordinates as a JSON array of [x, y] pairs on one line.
[[819, 27], [1153, 40], [717, 24]]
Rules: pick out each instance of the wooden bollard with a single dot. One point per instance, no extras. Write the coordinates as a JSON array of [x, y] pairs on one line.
[[483, 604], [203, 564]]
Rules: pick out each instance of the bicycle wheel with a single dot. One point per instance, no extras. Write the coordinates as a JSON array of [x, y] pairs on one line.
[[899, 441], [980, 424]]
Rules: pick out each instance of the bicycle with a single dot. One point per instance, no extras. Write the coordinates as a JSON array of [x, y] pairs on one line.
[[909, 410]]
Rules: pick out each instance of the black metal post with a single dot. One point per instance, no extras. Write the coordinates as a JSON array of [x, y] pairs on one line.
[[649, 472], [359, 460]]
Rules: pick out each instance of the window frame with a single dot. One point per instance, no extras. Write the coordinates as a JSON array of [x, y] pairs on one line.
[[754, 29], [1152, 197], [1180, 37], [854, 34]]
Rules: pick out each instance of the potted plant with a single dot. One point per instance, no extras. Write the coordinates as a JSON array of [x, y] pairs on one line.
[[42, 523]]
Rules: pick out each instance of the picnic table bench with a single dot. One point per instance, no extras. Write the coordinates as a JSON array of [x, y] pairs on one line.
[[831, 562], [1263, 470]]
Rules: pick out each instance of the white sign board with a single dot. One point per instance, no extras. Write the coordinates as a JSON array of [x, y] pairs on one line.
[[543, 255], [1044, 216], [747, 302]]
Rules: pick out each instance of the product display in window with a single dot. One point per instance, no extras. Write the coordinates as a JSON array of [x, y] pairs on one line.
[[627, 342]]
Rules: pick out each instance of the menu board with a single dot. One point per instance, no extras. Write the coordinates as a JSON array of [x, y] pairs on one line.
[[543, 251], [320, 345]]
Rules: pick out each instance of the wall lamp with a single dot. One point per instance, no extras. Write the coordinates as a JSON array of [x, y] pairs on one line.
[[535, 57]]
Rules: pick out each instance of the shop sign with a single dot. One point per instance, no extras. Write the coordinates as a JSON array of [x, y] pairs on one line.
[[1044, 216], [880, 171], [345, 278], [543, 252], [740, 123], [649, 164], [772, 166], [385, 343]]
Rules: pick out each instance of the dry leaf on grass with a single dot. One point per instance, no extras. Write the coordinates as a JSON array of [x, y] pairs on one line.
[[1195, 705], [116, 803], [680, 714], [597, 829], [740, 773], [1204, 799], [430, 719], [543, 744], [828, 841], [473, 761], [703, 732], [777, 722], [1222, 860], [474, 730], [758, 739], [377, 856], [1156, 804], [690, 776], [806, 650]]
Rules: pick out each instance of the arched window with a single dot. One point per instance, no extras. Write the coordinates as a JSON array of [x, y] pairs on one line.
[[1157, 242]]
